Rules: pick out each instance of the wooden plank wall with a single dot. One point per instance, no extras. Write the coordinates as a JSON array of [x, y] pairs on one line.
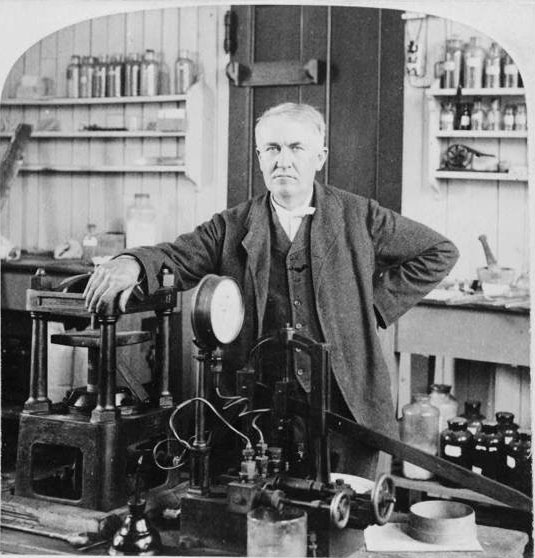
[[463, 210], [46, 209]]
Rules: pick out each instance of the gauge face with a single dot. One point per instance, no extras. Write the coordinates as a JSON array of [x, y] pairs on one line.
[[217, 311], [226, 311]]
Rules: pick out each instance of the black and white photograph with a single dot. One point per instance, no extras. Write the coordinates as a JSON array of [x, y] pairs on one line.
[[265, 278]]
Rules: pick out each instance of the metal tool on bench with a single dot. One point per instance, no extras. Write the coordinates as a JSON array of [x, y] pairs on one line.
[[90, 443]]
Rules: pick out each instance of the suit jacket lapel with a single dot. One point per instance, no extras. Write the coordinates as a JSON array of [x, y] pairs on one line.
[[258, 246], [325, 228]]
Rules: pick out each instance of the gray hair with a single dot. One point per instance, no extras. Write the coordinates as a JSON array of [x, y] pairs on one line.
[[297, 111]]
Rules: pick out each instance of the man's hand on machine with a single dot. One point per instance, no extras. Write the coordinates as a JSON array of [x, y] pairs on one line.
[[119, 275]]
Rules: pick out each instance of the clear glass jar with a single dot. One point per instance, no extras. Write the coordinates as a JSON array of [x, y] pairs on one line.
[[86, 76], [441, 398], [493, 66], [419, 428], [521, 120], [474, 58], [510, 72], [472, 413], [453, 63], [73, 77], [141, 224], [447, 116], [494, 116], [89, 244], [477, 117], [149, 74], [184, 72], [508, 118]]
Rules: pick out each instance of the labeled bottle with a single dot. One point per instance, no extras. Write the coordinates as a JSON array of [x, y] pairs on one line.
[[419, 428], [86, 76], [141, 225], [466, 117], [472, 413], [453, 63], [99, 78], [456, 443], [73, 77], [510, 72], [521, 120], [477, 117], [518, 461], [474, 58], [508, 119], [149, 74], [447, 116], [89, 244], [441, 398], [507, 426], [119, 76], [111, 77], [494, 116], [493, 66], [488, 456], [131, 80], [184, 73]]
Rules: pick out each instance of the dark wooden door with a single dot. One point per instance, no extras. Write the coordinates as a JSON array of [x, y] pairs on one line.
[[361, 94]]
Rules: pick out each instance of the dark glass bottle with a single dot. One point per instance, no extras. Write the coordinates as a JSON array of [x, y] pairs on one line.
[[507, 426], [488, 456], [456, 443], [465, 121], [472, 413], [517, 470]]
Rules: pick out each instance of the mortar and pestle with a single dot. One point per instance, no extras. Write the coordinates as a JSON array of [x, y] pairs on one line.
[[495, 280]]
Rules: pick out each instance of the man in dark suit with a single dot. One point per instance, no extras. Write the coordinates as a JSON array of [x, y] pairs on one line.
[[332, 264]]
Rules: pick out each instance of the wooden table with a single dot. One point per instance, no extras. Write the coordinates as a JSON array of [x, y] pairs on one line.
[[479, 331]]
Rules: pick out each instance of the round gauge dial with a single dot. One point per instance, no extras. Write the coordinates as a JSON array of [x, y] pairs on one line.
[[217, 311]]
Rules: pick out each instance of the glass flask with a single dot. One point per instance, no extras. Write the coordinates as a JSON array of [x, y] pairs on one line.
[[521, 121], [508, 118], [441, 398], [477, 116], [419, 428], [472, 413], [141, 225], [494, 116]]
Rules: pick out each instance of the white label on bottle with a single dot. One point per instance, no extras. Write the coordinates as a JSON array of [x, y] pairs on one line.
[[480, 448], [508, 439], [477, 470], [90, 241], [473, 61], [510, 69], [452, 451], [492, 449], [465, 120], [473, 429], [511, 462], [492, 69], [449, 66]]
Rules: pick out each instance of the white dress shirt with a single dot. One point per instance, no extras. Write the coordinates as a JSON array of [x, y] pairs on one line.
[[290, 220]]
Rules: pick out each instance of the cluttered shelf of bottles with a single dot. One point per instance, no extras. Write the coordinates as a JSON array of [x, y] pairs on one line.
[[480, 95]]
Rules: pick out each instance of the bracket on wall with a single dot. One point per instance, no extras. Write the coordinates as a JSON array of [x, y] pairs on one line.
[[284, 72]]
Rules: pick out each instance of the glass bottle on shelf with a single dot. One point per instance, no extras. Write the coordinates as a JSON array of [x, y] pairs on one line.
[[507, 426], [184, 72], [453, 63], [99, 78], [508, 119], [465, 121], [517, 471], [472, 413], [456, 442], [141, 224], [419, 428], [477, 116], [73, 77], [447, 116], [85, 84], [441, 398], [510, 72], [149, 74], [494, 117], [488, 457], [474, 58], [493, 65], [521, 121], [132, 76], [89, 244], [111, 77]]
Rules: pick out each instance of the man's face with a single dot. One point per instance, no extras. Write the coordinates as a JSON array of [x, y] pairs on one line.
[[290, 153]]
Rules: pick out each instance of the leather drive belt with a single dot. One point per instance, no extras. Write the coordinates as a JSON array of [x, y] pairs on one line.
[[432, 463]]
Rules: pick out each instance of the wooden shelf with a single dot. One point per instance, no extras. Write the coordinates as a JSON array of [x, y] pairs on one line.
[[102, 169], [475, 175], [59, 101], [479, 92], [101, 134], [500, 134]]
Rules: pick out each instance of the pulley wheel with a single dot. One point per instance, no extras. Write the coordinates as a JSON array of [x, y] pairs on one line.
[[458, 156], [340, 509], [383, 498]]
